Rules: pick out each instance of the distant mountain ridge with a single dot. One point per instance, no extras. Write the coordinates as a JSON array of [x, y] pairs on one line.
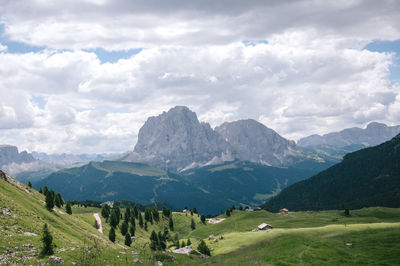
[[374, 134], [211, 189], [9, 154], [365, 178]]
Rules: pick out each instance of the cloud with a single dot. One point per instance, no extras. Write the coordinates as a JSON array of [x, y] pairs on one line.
[[122, 25], [297, 72]]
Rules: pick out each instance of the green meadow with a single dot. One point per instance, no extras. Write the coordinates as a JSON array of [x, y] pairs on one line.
[[366, 236]]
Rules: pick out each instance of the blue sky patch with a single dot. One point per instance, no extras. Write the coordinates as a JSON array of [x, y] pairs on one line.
[[392, 47], [113, 56]]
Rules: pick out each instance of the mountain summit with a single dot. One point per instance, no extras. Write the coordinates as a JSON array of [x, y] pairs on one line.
[[255, 142], [177, 139]]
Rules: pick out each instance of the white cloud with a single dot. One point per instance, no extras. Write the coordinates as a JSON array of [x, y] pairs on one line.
[[3, 48], [311, 76]]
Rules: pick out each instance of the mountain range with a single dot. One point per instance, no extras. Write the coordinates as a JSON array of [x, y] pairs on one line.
[[177, 141], [374, 134], [365, 178]]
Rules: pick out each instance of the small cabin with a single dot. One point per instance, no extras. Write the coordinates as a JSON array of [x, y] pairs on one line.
[[185, 211], [249, 209], [284, 211], [258, 209], [264, 226]]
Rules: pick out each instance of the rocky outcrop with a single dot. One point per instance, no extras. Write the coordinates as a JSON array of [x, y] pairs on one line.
[[176, 139], [9, 154], [373, 134], [252, 141]]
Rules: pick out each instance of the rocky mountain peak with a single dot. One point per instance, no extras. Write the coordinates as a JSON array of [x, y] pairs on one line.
[[176, 139], [9, 154], [255, 142]]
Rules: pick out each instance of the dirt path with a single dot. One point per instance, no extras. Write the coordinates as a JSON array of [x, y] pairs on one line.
[[97, 217]]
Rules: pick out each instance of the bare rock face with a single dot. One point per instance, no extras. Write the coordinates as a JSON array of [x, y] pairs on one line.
[[252, 141], [176, 139], [9, 154], [373, 134]]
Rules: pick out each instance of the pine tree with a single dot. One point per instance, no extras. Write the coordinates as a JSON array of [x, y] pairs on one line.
[[49, 200], [171, 223], [68, 208], [45, 190], [140, 220], [183, 243], [111, 234], [127, 214], [194, 210], [30, 184], [228, 212], [136, 212], [57, 200], [132, 229], [40, 190], [145, 226], [154, 241], [128, 240], [192, 225], [105, 211], [124, 228], [189, 242], [166, 212], [177, 244], [241, 208], [114, 218], [202, 248], [96, 224], [147, 215], [156, 215], [132, 220], [203, 218], [47, 241]]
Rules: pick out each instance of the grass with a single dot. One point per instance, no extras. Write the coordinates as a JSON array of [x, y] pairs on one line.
[[308, 238]]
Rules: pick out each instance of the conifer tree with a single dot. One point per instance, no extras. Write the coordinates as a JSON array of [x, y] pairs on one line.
[[228, 212], [128, 240], [40, 190], [57, 200], [145, 226], [132, 229], [171, 223], [203, 218], [30, 184], [45, 190], [189, 242], [68, 208], [47, 240], [127, 214], [140, 219], [156, 215], [192, 225], [166, 212], [96, 224], [136, 212], [132, 220], [124, 228], [183, 243], [111, 234], [202, 248], [240, 208], [49, 200], [105, 211], [114, 219], [177, 244]]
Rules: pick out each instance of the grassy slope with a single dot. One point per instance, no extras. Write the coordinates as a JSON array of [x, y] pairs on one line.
[[297, 238]]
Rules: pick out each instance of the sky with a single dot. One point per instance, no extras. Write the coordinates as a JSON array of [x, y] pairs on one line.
[[82, 76]]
